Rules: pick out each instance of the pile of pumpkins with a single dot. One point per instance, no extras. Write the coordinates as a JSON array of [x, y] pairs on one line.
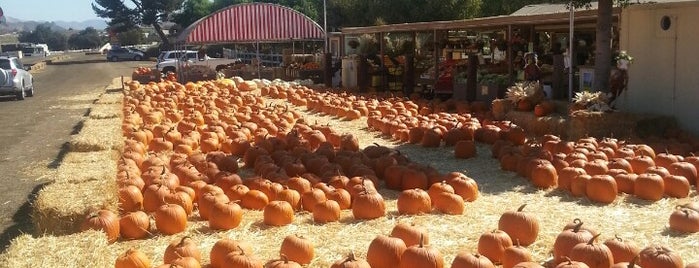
[[408, 245], [183, 149], [598, 169]]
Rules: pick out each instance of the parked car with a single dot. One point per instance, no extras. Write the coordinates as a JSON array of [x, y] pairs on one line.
[[122, 53], [15, 79], [170, 61]]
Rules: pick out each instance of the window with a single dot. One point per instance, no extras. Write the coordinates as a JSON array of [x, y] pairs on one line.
[[5, 64]]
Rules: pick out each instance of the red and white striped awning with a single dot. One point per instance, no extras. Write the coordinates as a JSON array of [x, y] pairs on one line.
[[252, 22]]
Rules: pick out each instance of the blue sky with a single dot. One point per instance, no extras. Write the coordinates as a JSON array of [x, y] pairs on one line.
[[49, 10]]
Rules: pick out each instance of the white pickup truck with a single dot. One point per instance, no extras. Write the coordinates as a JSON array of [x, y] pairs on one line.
[[171, 61]]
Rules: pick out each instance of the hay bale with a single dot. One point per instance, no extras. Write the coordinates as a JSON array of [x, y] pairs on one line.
[[98, 135], [552, 124], [86, 249], [79, 167], [600, 124], [111, 98], [60, 207], [105, 111]]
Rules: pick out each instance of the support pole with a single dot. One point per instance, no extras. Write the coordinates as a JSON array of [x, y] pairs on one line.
[[571, 69]]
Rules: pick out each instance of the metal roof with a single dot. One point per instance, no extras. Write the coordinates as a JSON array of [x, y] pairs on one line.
[[252, 22]]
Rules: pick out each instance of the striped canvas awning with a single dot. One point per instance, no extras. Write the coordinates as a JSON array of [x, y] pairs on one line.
[[252, 22]]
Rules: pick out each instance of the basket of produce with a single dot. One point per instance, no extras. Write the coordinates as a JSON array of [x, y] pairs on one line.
[[145, 75]]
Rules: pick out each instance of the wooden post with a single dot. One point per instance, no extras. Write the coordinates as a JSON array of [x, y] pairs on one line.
[[362, 74], [409, 74], [472, 73], [328, 70]]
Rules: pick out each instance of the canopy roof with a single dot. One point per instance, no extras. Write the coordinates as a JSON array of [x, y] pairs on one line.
[[252, 22]]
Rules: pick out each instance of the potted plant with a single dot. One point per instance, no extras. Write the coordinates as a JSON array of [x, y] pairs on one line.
[[590, 101], [524, 95]]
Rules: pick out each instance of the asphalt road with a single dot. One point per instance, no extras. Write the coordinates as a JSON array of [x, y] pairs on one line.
[[34, 133]]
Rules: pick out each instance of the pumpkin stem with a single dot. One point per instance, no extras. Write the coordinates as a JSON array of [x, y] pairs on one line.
[[618, 238], [592, 240], [570, 262], [422, 240], [577, 226], [351, 257], [521, 208], [182, 241]]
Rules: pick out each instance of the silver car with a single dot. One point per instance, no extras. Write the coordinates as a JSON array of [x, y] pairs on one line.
[[122, 53], [15, 79]]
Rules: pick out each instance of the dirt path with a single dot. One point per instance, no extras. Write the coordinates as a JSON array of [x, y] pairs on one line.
[[34, 133]]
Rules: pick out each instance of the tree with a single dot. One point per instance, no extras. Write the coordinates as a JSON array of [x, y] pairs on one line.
[[85, 39], [505, 7], [143, 12], [603, 39], [192, 11], [44, 34], [131, 37]]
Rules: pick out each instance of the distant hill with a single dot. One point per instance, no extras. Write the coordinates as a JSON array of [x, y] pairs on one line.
[[16, 25], [98, 24]]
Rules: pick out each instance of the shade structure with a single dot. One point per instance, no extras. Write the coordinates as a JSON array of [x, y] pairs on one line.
[[252, 22]]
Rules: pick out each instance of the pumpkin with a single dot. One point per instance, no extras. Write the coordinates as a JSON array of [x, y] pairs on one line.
[[102, 220], [223, 247], [622, 250], [184, 262], [649, 186], [471, 260], [414, 178], [684, 220], [311, 198], [569, 238], [409, 233], [368, 204], [465, 149], [439, 187], [631, 264], [254, 200], [241, 259], [134, 225], [520, 226], [602, 189], [514, 255], [170, 219], [207, 200], [278, 213], [685, 169], [414, 201], [182, 199], [655, 256], [595, 255], [544, 176], [676, 186], [225, 216], [493, 244], [528, 264], [420, 255], [640, 163], [463, 185], [351, 262], [327, 211], [625, 182], [341, 196], [566, 176], [179, 248], [448, 203], [578, 186], [132, 258], [575, 222], [282, 262], [385, 252], [130, 198], [568, 263], [298, 249]]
